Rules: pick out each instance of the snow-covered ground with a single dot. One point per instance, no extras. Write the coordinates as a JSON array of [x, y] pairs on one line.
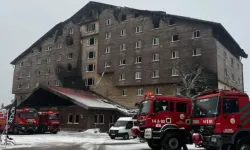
[[76, 141]]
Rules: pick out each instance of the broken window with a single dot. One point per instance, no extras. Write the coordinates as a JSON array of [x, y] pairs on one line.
[[124, 92], [108, 50], [70, 41], [124, 17], [175, 38], [156, 25], [175, 54], [122, 77], [196, 52], [91, 55], [91, 27], [156, 41], [171, 22], [123, 62], [108, 22], [90, 82], [138, 60], [90, 67], [196, 34], [123, 47], [70, 55], [69, 67], [123, 32], [155, 74], [91, 41]]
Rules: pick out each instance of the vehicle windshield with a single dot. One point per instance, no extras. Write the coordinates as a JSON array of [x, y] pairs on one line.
[[144, 108], [54, 117], [120, 123], [208, 107], [30, 115]]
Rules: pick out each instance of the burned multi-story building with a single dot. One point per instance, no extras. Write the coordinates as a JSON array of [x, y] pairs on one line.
[[121, 53]]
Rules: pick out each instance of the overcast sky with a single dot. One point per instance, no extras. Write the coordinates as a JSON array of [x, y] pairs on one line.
[[22, 22]]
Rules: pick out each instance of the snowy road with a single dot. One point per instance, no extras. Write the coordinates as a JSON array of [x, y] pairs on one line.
[[75, 141]]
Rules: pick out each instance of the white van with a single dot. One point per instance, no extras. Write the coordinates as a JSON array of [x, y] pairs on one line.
[[122, 128]]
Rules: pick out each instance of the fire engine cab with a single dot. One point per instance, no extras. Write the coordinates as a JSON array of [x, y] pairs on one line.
[[221, 119], [26, 120], [164, 121], [49, 122]]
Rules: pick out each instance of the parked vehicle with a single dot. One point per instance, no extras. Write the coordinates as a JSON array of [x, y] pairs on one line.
[[3, 119], [122, 128], [26, 121], [164, 121], [49, 121], [221, 120]]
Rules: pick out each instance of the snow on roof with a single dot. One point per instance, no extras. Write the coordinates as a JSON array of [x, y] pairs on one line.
[[90, 100], [87, 98]]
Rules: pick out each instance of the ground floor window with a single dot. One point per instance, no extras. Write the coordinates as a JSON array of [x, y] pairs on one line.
[[99, 119], [73, 119]]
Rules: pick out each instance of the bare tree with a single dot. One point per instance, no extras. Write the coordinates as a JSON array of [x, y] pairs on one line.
[[194, 79]]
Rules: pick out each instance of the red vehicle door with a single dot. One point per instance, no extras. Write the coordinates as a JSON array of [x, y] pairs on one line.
[[231, 114]]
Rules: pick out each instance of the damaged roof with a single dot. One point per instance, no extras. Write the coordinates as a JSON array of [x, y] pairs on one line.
[[87, 10], [85, 99]]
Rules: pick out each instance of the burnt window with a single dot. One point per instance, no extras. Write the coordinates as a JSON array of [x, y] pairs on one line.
[[77, 118], [90, 67], [70, 41], [70, 55], [91, 41], [40, 48], [171, 22], [91, 55], [69, 67], [171, 108], [96, 118], [91, 27], [181, 107], [70, 118], [156, 24], [230, 105], [124, 17], [101, 119], [90, 82], [175, 38]]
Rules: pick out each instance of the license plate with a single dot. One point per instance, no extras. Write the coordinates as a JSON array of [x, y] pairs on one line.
[[148, 133]]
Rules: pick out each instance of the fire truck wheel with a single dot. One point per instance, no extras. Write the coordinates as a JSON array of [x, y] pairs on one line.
[[243, 144], [171, 141], [125, 136], [153, 146]]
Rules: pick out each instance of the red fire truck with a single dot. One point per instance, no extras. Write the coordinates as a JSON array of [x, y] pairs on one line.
[[49, 122], [221, 120], [164, 121], [26, 120], [3, 119]]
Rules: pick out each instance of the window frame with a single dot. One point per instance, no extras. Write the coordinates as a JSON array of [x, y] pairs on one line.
[[137, 75], [123, 32], [178, 39], [154, 56], [94, 54], [156, 74], [140, 92], [174, 72], [87, 82], [108, 50], [195, 51], [88, 41], [122, 77], [122, 62], [78, 119], [138, 60], [69, 118], [70, 56], [138, 29], [124, 92], [195, 34], [156, 41], [175, 53], [103, 121]]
